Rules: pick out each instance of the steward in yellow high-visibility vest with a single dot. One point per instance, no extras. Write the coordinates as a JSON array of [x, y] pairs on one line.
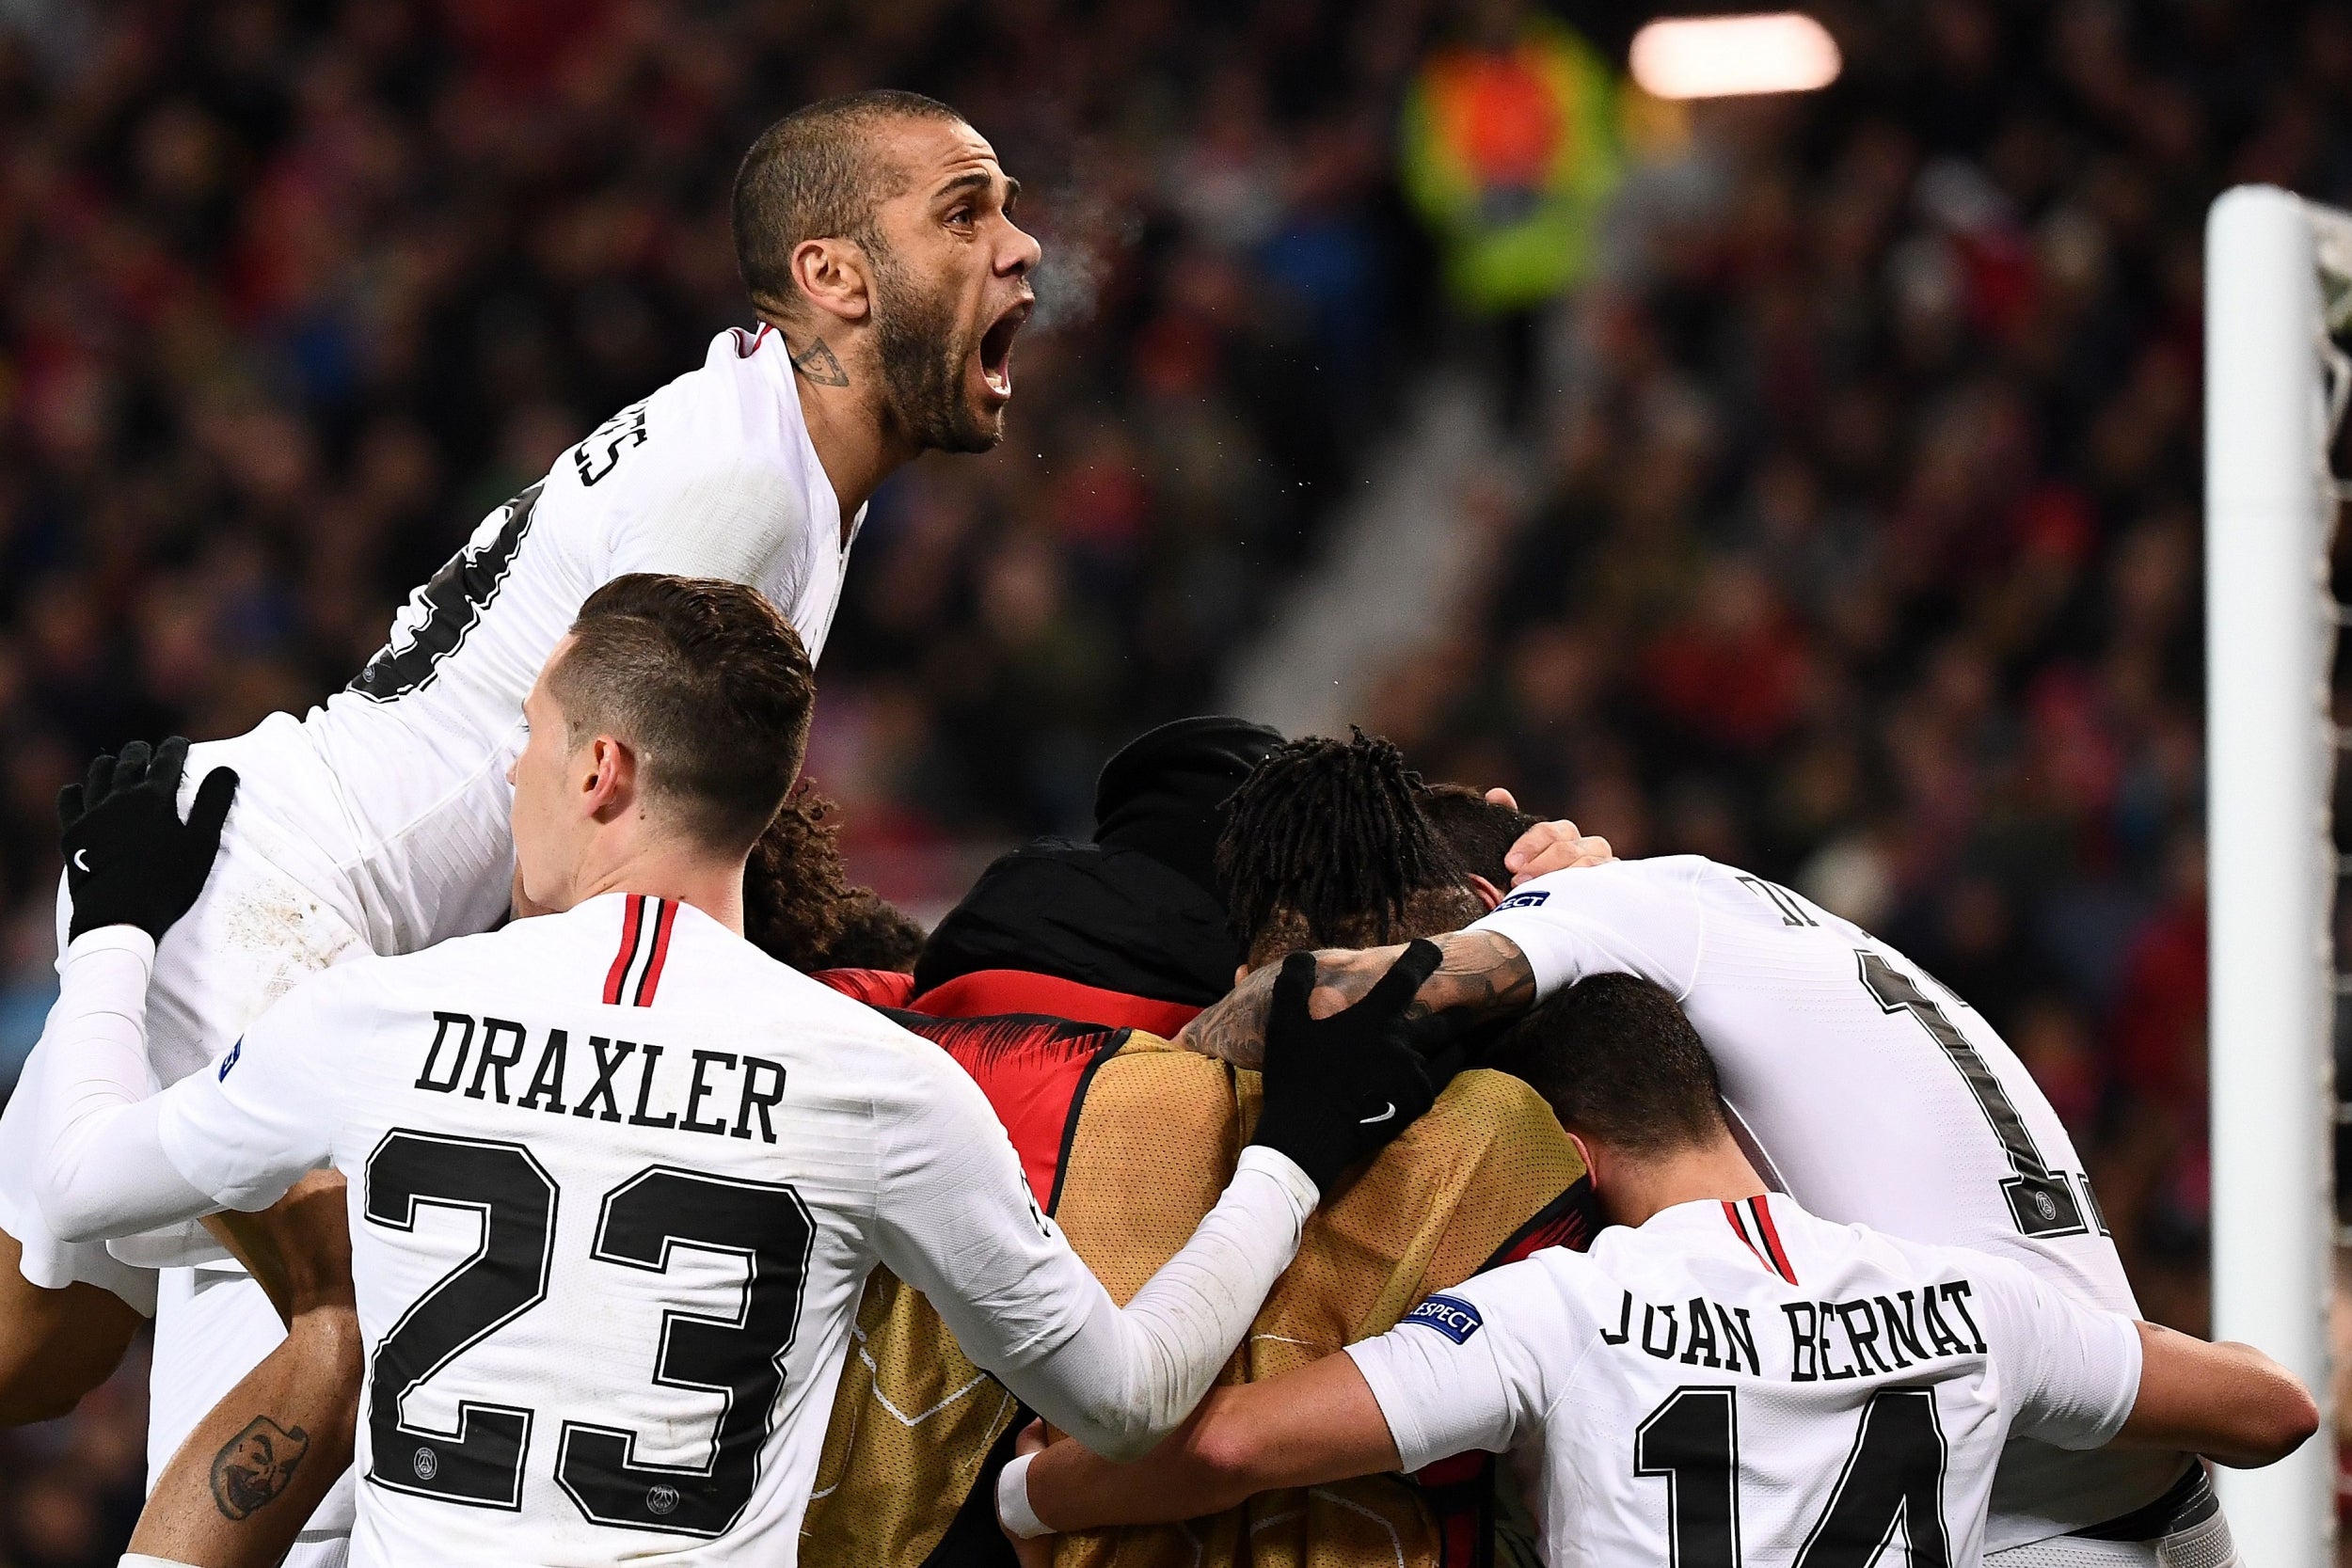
[[1509, 154]]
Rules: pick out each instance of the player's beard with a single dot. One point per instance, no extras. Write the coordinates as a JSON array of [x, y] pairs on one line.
[[923, 357]]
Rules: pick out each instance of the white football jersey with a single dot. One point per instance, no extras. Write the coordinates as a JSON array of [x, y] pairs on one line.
[[1872, 1095], [1742, 1383], [399, 781], [617, 1179]]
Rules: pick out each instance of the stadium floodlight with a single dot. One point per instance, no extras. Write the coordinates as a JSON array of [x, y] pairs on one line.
[[1730, 57], [2277, 283]]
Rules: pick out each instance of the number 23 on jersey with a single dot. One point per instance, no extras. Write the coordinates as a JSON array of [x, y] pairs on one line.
[[639, 1225]]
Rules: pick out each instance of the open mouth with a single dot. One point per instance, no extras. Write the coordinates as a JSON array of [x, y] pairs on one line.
[[997, 347]]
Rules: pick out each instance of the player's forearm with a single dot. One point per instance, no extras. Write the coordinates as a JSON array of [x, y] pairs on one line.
[[2229, 1403], [1481, 975], [245, 1480], [100, 1171], [1197, 1472], [1128, 1377], [1320, 1423]]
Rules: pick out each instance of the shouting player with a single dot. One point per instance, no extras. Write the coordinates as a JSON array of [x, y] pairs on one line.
[[616, 1178], [1871, 1095], [1723, 1378], [876, 239]]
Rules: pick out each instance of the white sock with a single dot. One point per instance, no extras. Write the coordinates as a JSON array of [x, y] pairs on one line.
[[133, 1559]]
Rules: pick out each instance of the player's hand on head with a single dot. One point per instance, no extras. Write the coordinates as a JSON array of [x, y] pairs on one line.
[[1549, 847], [129, 859], [1338, 1088]]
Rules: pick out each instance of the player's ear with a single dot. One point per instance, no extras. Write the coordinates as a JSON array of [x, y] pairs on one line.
[[1592, 1172], [832, 275], [1487, 892], [608, 787]]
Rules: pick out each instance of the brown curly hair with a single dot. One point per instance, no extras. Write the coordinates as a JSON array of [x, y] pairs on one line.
[[795, 885]]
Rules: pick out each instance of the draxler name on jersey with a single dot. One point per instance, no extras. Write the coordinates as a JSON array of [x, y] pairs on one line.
[[721, 1094]]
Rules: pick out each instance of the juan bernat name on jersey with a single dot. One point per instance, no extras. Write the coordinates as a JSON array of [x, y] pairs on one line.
[[1828, 1340], [718, 1093]]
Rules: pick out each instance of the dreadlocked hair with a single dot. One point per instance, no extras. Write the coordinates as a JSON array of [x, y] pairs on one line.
[[795, 886], [1325, 845]]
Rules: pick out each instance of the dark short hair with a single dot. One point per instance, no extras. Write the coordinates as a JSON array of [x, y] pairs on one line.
[[710, 687], [1479, 831], [1618, 1062], [816, 174], [1325, 845]]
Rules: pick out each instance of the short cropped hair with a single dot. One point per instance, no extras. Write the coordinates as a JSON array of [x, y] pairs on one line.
[[1618, 1062], [813, 175], [707, 682], [1479, 831]]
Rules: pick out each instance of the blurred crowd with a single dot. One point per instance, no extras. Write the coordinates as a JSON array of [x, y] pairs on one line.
[[1865, 546], [1859, 544]]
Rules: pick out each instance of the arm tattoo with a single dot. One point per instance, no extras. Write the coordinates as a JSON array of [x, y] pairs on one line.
[[1483, 975], [255, 1466], [1234, 1029], [818, 363]]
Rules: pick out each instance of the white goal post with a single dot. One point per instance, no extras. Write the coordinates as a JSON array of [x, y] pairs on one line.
[[2277, 270]]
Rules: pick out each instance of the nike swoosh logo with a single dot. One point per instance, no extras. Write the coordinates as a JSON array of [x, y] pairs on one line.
[[1384, 1116], [81, 860]]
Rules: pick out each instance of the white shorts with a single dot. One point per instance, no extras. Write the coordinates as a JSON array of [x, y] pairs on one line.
[[211, 1327], [258, 928]]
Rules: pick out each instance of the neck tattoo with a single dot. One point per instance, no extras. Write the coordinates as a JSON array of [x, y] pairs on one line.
[[818, 363]]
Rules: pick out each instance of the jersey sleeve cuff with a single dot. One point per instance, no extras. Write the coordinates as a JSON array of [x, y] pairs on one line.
[[2130, 1360], [1013, 1502], [1541, 939], [130, 939], [1284, 1172], [1373, 1358]]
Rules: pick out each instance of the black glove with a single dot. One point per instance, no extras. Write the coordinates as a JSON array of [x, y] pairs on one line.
[[1338, 1088], [129, 860]]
